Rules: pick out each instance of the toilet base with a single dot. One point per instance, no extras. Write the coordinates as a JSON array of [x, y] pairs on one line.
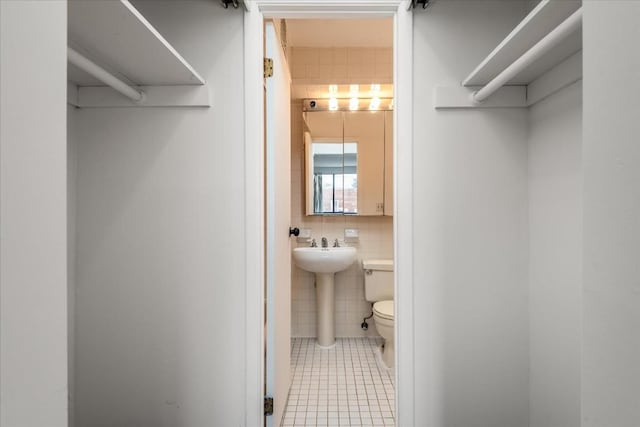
[[385, 329], [382, 365], [388, 353]]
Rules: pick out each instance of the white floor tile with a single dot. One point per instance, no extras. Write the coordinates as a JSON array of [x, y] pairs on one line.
[[341, 386]]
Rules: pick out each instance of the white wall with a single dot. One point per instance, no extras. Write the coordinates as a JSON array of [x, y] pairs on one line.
[[160, 253], [555, 269], [72, 170], [33, 209], [611, 158], [470, 223]]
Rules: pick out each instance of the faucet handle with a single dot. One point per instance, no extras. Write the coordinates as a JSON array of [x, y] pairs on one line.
[[336, 243], [313, 243]]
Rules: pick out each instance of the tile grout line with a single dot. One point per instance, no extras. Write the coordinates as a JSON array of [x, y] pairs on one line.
[[340, 386]]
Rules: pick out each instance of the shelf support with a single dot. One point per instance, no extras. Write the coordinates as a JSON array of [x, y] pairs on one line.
[[559, 33], [104, 76]]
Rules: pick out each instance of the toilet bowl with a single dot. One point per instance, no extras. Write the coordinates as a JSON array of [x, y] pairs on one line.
[[378, 289], [384, 321]]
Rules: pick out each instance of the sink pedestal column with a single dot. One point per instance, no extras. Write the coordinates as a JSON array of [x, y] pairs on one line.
[[325, 301]]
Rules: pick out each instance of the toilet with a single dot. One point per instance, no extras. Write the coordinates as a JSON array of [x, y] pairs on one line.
[[378, 289]]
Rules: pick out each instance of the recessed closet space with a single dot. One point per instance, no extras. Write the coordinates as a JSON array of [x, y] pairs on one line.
[[155, 189], [500, 176]]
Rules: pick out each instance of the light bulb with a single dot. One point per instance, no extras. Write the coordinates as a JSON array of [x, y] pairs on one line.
[[375, 90], [353, 104], [333, 89], [375, 103], [333, 104], [353, 90]]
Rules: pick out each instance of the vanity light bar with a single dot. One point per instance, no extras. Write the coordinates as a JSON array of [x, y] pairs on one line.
[[347, 104]]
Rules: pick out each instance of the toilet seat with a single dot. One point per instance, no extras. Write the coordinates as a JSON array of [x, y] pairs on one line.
[[384, 309]]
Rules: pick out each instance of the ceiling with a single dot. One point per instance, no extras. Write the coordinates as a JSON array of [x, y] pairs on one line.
[[340, 32]]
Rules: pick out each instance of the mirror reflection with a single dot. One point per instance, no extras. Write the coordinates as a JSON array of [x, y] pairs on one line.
[[335, 177], [346, 166]]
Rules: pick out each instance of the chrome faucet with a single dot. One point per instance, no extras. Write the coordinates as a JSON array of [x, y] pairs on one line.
[[325, 243], [313, 243], [336, 243]]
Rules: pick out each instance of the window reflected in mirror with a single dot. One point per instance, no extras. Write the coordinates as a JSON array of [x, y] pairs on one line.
[[335, 177]]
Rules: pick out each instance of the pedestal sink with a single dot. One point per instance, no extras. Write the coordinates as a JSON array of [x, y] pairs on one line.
[[325, 262]]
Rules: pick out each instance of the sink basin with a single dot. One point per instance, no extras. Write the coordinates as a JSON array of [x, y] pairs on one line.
[[324, 260]]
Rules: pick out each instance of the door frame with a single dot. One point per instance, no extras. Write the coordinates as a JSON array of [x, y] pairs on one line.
[[256, 11]]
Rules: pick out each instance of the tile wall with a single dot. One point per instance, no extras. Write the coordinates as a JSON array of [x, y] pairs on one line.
[[341, 65], [375, 242]]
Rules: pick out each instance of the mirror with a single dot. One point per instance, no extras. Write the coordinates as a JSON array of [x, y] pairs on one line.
[[335, 180], [346, 168]]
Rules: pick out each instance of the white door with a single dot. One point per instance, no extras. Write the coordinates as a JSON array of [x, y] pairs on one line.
[[278, 216]]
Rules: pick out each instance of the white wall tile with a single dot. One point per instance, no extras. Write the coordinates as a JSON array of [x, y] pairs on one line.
[[344, 65]]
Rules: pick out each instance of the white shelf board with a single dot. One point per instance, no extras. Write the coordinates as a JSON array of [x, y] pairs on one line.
[[116, 36], [562, 75], [546, 16]]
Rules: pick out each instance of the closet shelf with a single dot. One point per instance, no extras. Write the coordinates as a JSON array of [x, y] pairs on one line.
[[115, 35], [546, 16], [538, 58]]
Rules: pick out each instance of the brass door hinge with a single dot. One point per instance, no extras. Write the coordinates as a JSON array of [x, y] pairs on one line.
[[268, 405], [268, 67]]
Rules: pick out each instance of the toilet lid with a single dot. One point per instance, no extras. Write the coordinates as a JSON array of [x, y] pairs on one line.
[[384, 309]]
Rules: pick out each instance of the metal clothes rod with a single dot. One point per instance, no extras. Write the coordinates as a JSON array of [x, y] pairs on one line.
[[549, 41], [103, 75]]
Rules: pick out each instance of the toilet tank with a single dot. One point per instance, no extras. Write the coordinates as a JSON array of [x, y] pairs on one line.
[[378, 279]]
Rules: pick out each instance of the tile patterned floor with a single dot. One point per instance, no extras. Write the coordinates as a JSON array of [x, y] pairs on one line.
[[341, 386]]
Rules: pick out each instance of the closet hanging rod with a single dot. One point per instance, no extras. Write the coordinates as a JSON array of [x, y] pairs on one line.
[[549, 41], [103, 75]]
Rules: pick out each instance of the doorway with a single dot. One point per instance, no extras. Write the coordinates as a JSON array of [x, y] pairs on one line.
[[254, 17], [341, 194]]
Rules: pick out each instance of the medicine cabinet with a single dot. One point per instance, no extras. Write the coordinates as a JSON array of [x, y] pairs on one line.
[[348, 162]]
